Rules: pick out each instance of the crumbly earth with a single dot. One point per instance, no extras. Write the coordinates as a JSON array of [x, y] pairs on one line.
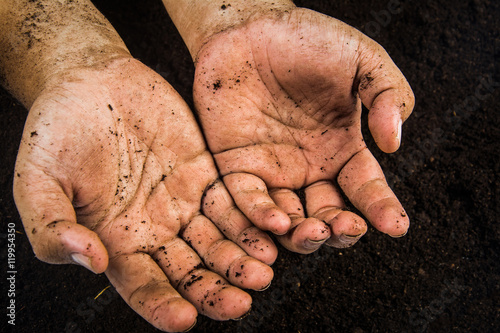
[[443, 276]]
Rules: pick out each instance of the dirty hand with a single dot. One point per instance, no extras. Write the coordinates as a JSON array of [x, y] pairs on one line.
[[280, 95], [112, 174]]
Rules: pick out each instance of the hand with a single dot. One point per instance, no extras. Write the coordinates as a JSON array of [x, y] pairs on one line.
[[110, 175], [279, 97]]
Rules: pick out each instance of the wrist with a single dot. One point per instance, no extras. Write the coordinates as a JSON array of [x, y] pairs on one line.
[[45, 39], [199, 20]]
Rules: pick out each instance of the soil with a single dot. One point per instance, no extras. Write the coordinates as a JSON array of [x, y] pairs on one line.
[[444, 275]]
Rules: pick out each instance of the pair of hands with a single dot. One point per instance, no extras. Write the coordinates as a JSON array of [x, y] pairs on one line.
[[113, 172]]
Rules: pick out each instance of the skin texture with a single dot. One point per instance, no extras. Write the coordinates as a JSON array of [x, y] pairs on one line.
[[279, 95], [113, 174]]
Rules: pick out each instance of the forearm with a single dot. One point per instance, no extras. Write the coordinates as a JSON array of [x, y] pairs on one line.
[[198, 20], [41, 39]]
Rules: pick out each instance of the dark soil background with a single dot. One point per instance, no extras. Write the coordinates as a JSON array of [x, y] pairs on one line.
[[443, 276]]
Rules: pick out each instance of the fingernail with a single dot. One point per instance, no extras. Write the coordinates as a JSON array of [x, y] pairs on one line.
[[82, 260], [265, 287], [349, 240], [313, 244], [192, 326], [399, 236], [400, 128], [244, 316]]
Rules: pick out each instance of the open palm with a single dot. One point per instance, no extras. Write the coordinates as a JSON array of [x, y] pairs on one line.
[[112, 174], [279, 98]]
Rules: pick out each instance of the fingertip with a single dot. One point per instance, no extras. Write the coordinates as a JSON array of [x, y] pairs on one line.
[[100, 263], [275, 220], [347, 229], [348, 223], [253, 274], [306, 237], [251, 196], [65, 242], [85, 247], [95, 261], [386, 129], [258, 245], [175, 315], [268, 217], [237, 303], [269, 256], [402, 225], [390, 218], [228, 302]]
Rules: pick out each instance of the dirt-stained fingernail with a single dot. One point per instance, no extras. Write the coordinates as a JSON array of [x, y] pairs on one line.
[[244, 316], [314, 244], [348, 239]]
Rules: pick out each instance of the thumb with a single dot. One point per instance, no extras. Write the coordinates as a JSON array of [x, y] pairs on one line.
[[386, 93], [50, 221]]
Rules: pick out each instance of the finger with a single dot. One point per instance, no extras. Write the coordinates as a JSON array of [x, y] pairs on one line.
[[211, 294], [288, 201], [363, 181], [146, 289], [387, 95], [324, 202], [250, 195], [225, 257], [50, 222], [306, 235], [220, 208]]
